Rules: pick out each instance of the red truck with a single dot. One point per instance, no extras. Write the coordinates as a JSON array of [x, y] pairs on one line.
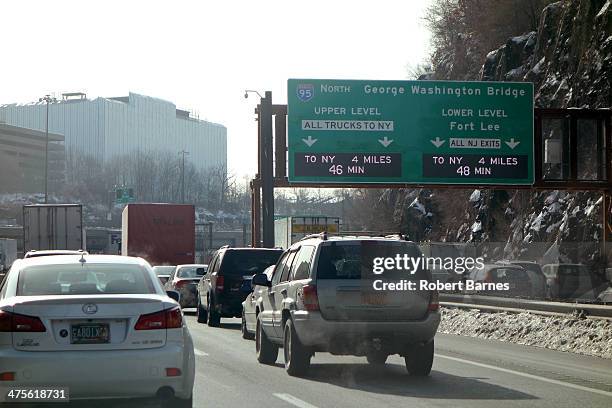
[[163, 234]]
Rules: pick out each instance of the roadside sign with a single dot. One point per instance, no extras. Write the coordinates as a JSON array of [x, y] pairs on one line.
[[421, 132]]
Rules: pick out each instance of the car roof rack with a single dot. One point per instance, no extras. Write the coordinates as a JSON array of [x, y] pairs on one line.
[[321, 235]]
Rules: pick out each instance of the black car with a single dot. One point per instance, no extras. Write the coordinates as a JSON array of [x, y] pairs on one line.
[[227, 281]]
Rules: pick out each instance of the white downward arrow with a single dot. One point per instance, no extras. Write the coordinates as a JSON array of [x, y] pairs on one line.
[[512, 144], [310, 141], [437, 142], [385, 142]]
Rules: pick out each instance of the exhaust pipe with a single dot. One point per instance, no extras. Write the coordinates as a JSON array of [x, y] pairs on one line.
[[165, 393]]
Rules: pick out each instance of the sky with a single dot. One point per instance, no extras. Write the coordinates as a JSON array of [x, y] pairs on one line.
[[202, 55]]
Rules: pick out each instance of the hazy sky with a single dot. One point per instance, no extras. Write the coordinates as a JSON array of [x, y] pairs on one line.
[[202, 55]]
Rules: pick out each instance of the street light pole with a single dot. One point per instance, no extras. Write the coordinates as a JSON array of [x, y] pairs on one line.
[[48, 99], [183, 153]]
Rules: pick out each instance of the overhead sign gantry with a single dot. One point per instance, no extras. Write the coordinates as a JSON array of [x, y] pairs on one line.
[[421, 132]]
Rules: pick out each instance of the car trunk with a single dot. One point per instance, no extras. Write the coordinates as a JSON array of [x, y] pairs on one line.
[[345, 287], [94, 322]]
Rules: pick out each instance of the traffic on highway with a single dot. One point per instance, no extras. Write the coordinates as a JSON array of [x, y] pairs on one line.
[[321, 204]]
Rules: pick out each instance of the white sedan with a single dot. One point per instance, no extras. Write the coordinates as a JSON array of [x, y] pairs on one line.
[[100, 325]]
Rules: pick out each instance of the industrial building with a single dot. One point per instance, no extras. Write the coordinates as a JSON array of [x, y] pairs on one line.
[[104, 128], [22, 160]]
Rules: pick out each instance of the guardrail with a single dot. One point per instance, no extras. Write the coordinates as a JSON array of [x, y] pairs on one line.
[[517, 305]]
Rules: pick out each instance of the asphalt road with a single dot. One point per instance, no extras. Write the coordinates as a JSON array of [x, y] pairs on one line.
[[467, 372]]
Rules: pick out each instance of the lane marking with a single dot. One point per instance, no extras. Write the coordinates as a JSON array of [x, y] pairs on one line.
[[531, 376], [199, 352], [294, 401]]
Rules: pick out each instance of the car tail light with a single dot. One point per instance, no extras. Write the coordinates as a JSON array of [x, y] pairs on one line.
[[181, 283], [310, 298], [434, 301], [166, 319], [173, 372], [219, 282], [488, 277], [7, 376], [15, 322]]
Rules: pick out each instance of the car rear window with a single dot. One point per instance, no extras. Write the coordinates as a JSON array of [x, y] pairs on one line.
[[163, 270], [248, 262], [83, 279], [191, 272], [355, 260]]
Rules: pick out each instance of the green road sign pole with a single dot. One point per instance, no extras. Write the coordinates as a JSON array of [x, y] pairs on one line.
[[421, 132]]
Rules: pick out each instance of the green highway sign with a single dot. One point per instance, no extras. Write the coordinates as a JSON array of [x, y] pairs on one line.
[[421, 132]]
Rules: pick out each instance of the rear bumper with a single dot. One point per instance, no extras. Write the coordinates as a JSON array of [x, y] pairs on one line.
[[350, 337], [189, 296], [229, 306], [103, 374]]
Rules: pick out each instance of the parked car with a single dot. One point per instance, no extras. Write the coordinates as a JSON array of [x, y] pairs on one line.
[[222, 290], [321, 299], [184, 279], [163, 272], [100, 325], [572, 281], [517, 278], [50, 252], [249, 306]]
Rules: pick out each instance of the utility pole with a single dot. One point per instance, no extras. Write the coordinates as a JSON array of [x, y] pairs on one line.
[[48, 99], [183, 153], [266, 161]]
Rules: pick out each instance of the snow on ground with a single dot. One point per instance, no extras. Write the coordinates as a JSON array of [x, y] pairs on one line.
[[564, 333]]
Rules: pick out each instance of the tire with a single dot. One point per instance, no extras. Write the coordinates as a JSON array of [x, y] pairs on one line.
[[377, 358], [267, 352], [297, 356], [214, 318], [178, 403], [201, 313], [243, 328], [419, 359]]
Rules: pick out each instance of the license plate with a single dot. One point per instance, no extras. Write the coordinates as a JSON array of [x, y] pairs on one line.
[[374, 299], [89, 333]]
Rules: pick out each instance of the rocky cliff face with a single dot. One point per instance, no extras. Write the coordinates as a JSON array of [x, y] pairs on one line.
[[569, 61]]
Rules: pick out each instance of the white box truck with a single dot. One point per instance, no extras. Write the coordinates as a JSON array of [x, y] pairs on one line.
[[288, 230], [53, 226]]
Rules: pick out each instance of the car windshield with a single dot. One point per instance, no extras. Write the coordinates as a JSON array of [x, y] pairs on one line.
[[248, 262], [191, 271], [356, 260], [83, 279], [163, 270]]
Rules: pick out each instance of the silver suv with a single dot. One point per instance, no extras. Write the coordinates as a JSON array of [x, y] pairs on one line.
[[321, 298]]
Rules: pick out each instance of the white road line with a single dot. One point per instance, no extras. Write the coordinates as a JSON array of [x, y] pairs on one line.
[[200, 353], [294, 401], [531, 376]]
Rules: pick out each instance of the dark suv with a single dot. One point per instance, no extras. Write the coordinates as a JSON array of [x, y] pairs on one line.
[[227, 281], [325, 296]]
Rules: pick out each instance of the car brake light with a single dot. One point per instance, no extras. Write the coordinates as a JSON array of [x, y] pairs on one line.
[[8, 376], [488, 278], [434, 301], [182, 283], [166, 319], [310, 298], [15, 322], [219, 283], [173, 372]]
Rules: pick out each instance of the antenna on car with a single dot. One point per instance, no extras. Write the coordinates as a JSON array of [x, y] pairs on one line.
[[82, 260]]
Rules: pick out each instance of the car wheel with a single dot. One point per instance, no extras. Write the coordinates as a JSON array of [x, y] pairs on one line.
[[419, 359], [377, 358], [267, 352], [297, 356], [214, 319], [201, 313], [178, 403], [243, 328]]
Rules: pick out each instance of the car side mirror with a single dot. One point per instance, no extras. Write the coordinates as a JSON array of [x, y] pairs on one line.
[[260, 280], [173, 294]]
